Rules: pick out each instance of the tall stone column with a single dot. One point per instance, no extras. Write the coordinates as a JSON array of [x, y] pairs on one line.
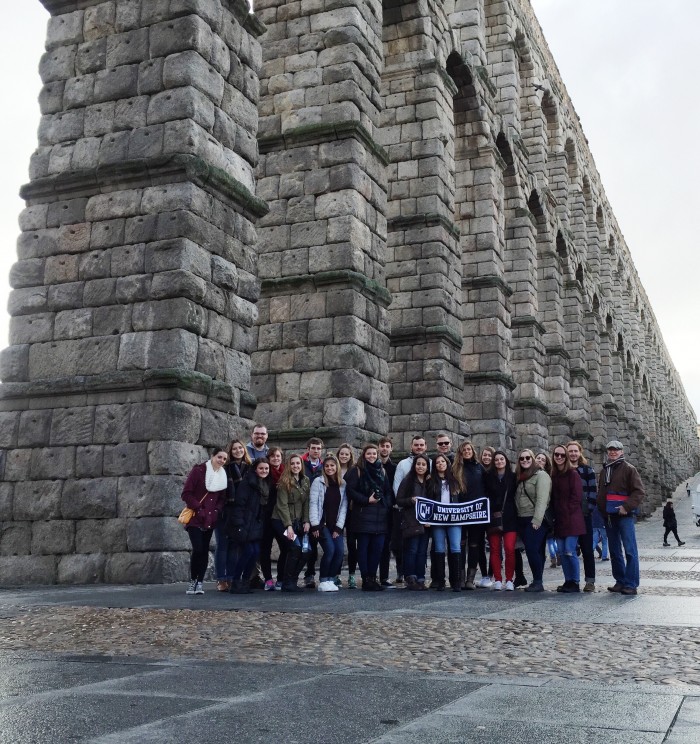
[[134, 288], [321, 365]]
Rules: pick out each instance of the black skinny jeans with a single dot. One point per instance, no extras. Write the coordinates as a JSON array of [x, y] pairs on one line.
[[586, 544], [668, 531], [199, 559]]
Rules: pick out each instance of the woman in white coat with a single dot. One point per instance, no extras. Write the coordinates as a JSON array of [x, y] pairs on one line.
[[328, 506]]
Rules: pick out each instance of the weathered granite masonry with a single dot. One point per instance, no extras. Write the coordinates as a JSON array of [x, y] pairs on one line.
[[135, 287], [423, 244]]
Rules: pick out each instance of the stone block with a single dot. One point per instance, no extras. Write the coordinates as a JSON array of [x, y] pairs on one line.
[[158, 349], [190, 68], [73, 324], [81, 569], [88, 461], [27, 569], [150, 495], [99, 20], [127, 47], [67, 358], [52, 462], [100, 536], [65, 296], [91, 56], [145, 568], [179, 313], [89, 498], [180, 34], [53, 537], [112, 320], [156, 533], [15, 538], [6, 499], [182, 103], [17, 464], [72, 426], [115, 83], [125, 459], [37, 500], [27, 273], [175, 458], [25, 329], [111, 424], [9, 428], [149, 421]]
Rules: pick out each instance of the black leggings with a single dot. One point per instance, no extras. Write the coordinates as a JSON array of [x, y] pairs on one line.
[[476, 550], [351, 539], [199, 560], [668, 531], [266, 552]]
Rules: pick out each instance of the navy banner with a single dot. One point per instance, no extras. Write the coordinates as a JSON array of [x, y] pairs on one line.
[[468, 512]]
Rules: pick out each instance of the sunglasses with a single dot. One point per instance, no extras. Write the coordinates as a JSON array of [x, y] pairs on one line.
[[525, 459], [443, 444], [559, 455]]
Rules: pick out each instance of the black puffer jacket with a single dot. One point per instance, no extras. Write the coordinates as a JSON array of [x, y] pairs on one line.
[[501, 496], [474, 479], [244, 516], [368, 518]]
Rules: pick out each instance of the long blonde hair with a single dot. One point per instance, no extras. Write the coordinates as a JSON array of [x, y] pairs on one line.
[[287, 480]]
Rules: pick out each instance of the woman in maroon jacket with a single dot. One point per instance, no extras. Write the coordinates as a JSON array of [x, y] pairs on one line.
[[205, 492], [567, 493]]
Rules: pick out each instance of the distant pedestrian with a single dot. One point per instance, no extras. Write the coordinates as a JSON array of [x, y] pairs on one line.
[[687, 488], [670, 524], [620, 492]]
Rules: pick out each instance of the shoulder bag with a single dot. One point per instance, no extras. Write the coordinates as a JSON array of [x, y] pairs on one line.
[[187, 513]]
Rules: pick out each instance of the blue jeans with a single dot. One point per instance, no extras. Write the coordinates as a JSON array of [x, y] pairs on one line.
[[333, 551], [624, 558], [225, 555], [552, 547], [247, 554], [369, 551], [451, 535], [415, 555], [600, 535], [533, 540], [569, 559]]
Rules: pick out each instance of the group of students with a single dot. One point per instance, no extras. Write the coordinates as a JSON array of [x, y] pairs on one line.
[[249, 498]]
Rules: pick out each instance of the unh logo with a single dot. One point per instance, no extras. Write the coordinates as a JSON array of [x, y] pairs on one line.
[[424, 510]]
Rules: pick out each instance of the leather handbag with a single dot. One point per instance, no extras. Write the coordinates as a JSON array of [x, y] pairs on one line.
[[187, 513]]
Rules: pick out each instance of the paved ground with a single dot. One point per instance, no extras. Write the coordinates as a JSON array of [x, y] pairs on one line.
[[148, 664]]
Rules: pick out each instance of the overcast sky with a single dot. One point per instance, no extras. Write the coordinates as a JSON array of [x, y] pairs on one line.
[[631, 69]]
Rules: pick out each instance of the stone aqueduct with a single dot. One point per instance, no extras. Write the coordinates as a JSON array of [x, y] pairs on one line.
[[341, 217]]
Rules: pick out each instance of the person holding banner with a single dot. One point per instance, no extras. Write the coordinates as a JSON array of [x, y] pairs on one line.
[[531, 501], [469, 473], [444, 488], [369, 490], [502, 531], [415, 535]]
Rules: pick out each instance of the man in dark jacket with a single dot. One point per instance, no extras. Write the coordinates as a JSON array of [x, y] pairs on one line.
[[394, 540], [620, 492], [313, 467]]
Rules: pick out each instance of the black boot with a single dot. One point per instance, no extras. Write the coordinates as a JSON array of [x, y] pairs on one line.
[[292, 567], [437, 572], [520, 579], [469, 583], [455, 573]]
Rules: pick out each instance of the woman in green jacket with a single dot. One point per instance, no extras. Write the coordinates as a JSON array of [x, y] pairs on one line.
[[531, 501], [290, 521]]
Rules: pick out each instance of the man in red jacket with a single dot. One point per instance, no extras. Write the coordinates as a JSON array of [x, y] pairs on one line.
[[620, 492]]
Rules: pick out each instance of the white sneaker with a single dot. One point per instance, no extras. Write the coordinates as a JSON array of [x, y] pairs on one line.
[[327, 586], [199, 588], [510, 586], [497, 586], [191, 587], [485, 582]]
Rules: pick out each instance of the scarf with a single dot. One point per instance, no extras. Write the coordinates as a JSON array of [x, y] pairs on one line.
[[373, 478], [609, 467], [215, 480]]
